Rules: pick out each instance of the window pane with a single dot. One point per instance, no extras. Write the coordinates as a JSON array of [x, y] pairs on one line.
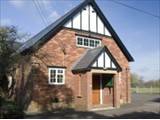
[[53, 76], [91, 43], [59, 78], [80, 41], [53, 73], [53, 80], [97, 43], [85, 42], [60, 71]]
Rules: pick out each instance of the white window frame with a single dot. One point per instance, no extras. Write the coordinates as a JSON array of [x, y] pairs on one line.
[[89, 39], [56, 81]]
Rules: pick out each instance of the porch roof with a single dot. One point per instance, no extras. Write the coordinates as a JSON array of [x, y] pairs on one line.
[[87, 59]]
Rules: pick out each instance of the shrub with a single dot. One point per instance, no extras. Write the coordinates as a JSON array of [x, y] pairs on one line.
[[9, 109]]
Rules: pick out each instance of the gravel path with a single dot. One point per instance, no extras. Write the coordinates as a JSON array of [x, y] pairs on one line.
[[142, 106]]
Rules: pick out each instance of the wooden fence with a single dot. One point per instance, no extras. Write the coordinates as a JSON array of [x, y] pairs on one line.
[[145, 90]]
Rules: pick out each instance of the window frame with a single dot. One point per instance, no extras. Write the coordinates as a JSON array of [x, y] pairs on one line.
[[92, 43], [86, 41], [81, 41], [89, 40], [56, 78]]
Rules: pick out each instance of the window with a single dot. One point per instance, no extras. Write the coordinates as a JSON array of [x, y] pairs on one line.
[[85, 42], [97, 43], [56, 76], [92, 43], [88, 42], [80, 41]]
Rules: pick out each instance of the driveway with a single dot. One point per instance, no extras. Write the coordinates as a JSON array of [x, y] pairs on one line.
[[142, 106]]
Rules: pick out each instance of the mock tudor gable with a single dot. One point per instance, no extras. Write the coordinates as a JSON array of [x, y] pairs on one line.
[[105, 60], [87, 16], [87, 19]]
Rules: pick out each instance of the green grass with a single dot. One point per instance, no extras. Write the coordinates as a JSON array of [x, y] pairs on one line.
[[145, 90]]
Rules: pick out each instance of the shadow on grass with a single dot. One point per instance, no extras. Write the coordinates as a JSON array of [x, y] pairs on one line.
[[72, 114]]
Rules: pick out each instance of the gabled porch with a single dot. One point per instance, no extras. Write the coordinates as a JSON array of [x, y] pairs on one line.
[[102, 77]]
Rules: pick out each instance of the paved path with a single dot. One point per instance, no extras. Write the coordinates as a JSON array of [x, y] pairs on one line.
[[142, 106]]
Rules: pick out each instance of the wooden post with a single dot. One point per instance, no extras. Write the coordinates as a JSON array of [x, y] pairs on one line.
[[116, 91]]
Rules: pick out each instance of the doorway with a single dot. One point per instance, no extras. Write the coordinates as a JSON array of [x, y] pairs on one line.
[[102, 89]]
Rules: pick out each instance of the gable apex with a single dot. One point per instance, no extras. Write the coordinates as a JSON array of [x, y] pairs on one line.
[[88, 19], [43, 36]]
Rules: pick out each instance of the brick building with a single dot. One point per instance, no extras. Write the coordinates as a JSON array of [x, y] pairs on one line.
[[79, 59]]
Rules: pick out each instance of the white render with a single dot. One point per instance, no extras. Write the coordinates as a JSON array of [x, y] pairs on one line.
[[85, 18], [68, 24], [76, 21], [92, 20], [113, 66], [88, 20], [100, 61], [107, 61], [94, 64], [100, 26], [104, 61]]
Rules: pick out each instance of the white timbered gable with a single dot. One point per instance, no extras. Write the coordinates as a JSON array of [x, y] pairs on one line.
[[88, 19], [104, 61]]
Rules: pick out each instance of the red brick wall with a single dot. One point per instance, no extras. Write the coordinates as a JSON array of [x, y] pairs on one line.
[[123, 62], [51, 54]]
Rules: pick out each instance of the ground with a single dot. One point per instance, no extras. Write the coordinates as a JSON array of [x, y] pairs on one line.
[[142, 106]]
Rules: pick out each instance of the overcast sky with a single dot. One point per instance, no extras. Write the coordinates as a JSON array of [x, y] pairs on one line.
[[139, 32]]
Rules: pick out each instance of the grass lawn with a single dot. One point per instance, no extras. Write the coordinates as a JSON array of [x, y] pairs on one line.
[[145, 90]]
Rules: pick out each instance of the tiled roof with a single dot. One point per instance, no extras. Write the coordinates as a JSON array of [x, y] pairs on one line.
[[39, 39]]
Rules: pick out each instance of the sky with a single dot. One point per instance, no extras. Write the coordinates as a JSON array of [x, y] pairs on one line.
[[139, 32]]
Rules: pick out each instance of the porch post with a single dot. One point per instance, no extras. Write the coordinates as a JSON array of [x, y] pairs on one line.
[[89, 90], [116, 90]]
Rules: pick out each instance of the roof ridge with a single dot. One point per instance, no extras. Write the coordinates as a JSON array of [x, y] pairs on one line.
[[44, 35]]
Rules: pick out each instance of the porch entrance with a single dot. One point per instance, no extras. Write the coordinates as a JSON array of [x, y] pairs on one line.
[[102, 89]]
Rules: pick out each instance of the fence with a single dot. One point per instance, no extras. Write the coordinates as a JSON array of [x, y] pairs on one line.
[[145, 90]]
